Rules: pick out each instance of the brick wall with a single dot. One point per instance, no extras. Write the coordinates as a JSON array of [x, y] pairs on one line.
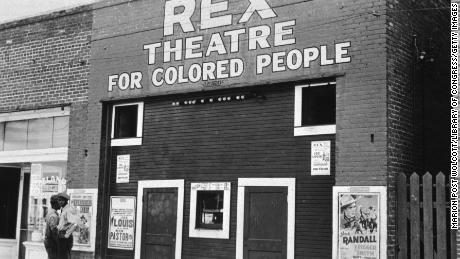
[[44, 62], [417, 122]]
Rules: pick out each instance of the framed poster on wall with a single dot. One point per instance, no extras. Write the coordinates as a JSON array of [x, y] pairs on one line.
[[84, 201], [359, 222], [122, 222]]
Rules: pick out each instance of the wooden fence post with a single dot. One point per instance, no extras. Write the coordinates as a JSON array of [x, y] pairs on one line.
[[402, 216], [415, 216], [427, 216], [441, 216]]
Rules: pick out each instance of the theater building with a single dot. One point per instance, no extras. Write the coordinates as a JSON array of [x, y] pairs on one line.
[[223, 129], [226, 124]]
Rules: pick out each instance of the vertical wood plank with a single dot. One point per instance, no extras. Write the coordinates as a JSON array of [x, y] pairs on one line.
[[415, 216], [402, 215], [427, 216], [441, 216]]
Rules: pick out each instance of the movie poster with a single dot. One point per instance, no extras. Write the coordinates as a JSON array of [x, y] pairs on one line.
[[358, 223], [83, 202], [122, 222]]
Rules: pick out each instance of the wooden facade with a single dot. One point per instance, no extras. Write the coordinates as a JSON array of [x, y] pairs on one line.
[[224, 142]]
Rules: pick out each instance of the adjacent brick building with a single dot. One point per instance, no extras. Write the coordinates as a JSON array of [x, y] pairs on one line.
[[44, 70]]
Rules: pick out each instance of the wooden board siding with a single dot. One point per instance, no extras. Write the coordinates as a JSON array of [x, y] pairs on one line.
[[225, 141]]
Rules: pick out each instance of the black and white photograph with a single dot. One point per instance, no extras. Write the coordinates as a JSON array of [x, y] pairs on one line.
[[229, 129]]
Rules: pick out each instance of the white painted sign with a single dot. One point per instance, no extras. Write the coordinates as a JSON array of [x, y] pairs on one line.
[[211, 186], [123, 168], [222, 54], [321, 157], [122, 222]]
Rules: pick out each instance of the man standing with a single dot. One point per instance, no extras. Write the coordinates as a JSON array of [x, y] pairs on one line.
[[51, 233], [65, 242]]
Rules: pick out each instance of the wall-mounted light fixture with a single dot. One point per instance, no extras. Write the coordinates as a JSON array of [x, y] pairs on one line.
[[220, 99]]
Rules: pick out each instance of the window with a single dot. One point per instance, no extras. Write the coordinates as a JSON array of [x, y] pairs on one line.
[[314, 112], [61, 131], [15, 135], [210, 210], [40, 133], [127, 120]]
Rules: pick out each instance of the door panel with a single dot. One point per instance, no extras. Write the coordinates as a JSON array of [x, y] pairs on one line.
[[159, 223], [265, 222], [9, 190]]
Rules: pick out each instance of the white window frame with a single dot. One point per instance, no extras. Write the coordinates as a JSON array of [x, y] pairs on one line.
[[35, 114], [284, 182], [179, 184], [137, 141], [300, 130], [205, 232]]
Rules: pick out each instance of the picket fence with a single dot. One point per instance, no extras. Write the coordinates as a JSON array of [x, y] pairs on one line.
[[423, 223]]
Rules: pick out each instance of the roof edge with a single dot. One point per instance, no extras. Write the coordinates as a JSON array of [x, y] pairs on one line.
[[46, 16]]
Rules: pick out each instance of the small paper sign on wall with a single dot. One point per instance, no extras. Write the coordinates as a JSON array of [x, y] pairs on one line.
[[123, 168], [321, 157]]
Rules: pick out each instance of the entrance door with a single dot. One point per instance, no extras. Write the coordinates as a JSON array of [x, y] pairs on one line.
[[9, 195], [159, 218], [265, 222], [9, 200]]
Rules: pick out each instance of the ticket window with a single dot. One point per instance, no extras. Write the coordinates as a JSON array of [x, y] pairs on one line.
[[210, 209]]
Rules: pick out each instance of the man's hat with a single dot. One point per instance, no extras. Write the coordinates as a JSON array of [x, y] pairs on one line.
[[346, 200], [63, 195]]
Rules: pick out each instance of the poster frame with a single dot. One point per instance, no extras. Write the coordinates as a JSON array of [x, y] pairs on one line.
[[135, 219], [92, 245], [382, 215]]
